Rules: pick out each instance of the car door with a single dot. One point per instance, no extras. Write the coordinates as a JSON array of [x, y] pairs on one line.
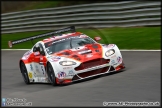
[[39, 60]]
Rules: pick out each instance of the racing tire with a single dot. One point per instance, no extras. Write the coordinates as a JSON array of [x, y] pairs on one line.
[[51, 75], [24, 72]]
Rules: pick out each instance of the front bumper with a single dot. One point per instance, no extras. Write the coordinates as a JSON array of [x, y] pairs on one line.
[[91, 72]]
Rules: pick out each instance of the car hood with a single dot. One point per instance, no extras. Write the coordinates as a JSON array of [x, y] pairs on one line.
[[82, 53]]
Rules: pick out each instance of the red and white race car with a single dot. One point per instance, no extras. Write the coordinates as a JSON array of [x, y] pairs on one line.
[[66, 58]]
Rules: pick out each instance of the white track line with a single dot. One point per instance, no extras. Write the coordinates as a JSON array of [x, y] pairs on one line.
[[120, 50], [12, 49], [138, 50]]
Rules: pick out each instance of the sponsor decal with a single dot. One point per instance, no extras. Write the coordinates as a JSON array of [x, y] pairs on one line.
[[31, 67], [39, 79], [71, 73], [42, 68], [119, 59], [55, 59], [35, 74], [30, 75], [69, 67], [39, 75], [113, 62], [89, 55], [31, 80], [43, 80], [110, 45], [65, 39], [61, 75], [40, 63], [60, 80], [37, 69], [24, 58], [41, 58], [92, 68], [36, 53], [26, 55]]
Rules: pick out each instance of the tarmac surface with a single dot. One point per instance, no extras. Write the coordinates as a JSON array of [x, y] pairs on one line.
[[141, 81]]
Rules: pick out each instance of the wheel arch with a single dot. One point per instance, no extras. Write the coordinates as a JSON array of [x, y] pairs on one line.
[[48, 62], [21, 61], [53, 66]]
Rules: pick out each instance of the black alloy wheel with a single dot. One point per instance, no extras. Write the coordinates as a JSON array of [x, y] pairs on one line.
[[24, 72]]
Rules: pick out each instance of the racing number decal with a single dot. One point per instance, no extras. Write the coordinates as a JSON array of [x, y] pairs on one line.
[[42, 68]]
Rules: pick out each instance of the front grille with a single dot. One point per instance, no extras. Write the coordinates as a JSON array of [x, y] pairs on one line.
[[93, 72], [92, 63]]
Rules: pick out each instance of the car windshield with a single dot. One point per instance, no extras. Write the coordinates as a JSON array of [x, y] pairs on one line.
[[67, 44]]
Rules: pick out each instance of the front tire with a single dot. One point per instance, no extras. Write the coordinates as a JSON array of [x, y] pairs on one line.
[[24, 72], [51, 75]]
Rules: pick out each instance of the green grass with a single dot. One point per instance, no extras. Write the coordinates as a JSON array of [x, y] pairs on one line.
[[124, 38]]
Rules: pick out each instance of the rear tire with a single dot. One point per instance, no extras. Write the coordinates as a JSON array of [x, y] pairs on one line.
[[51, 75], [24, 72]]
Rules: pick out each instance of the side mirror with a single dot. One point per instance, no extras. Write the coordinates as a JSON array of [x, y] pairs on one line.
[[97, 38], [37, 53]]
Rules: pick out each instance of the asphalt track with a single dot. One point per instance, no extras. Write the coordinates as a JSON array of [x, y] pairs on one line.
[[139, 82]]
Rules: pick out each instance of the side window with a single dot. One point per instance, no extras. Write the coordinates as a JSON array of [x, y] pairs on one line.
[[35, 49], [41, 49]]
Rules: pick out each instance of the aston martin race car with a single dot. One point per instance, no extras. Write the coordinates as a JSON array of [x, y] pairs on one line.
[[67, 57]]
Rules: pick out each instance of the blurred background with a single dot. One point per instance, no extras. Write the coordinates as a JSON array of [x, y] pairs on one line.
[[129, 24], [12, 6]]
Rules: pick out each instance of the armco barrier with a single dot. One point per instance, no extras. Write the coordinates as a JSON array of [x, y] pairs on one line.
[[110, 14]]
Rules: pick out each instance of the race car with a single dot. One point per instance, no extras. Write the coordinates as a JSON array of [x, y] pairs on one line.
[[63, 57]]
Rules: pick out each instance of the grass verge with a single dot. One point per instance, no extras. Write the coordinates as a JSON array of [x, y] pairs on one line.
[[124, 38]]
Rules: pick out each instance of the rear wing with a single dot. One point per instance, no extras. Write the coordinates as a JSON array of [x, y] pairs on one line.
[[60, 31]]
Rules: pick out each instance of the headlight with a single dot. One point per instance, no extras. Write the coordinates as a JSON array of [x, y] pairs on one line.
[[67, 63], [110, 52]]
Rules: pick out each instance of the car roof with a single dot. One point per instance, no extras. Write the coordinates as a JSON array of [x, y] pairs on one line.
[[54, 38]]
